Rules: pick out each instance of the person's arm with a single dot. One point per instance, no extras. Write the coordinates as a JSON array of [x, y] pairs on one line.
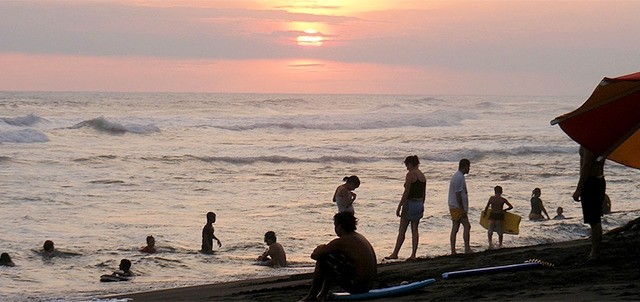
[[346, 197], [408, 180], [216, 238], [586, 163], [487, 207], [325, 249], [265, 254], [544, 210], [509, 206]]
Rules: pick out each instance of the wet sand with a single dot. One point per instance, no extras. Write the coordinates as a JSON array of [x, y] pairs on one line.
[[615, 277]]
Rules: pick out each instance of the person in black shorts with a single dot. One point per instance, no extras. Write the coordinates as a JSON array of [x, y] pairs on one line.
[[496, 216], [590, 191], [348, 261]]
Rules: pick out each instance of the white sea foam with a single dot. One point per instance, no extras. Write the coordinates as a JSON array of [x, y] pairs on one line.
[[23, 136]]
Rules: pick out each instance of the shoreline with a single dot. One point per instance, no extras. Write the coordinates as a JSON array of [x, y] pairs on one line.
[[615, 277]]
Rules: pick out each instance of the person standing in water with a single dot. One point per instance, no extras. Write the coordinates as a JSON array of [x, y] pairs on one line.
[[344, 195], [208, 234], [411, 206], [496, 216], [459, 206]]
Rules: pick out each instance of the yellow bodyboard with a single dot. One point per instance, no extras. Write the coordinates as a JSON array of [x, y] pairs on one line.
[[511, 224]]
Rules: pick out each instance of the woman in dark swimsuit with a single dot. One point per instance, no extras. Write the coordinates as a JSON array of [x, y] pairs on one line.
[[411, 206]]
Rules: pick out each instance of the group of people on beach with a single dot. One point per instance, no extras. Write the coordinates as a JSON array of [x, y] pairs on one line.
[[350, 261]]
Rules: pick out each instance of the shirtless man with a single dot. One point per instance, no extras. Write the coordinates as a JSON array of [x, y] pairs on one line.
[[496, 216], [208, 234], [590, 191], [274, 256], [348, 261]]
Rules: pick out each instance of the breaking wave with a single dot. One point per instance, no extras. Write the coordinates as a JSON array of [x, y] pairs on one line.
[[23, 136], [104, 125], [22, 121]]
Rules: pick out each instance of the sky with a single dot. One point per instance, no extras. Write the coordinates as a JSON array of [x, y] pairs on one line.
[[420, 47]]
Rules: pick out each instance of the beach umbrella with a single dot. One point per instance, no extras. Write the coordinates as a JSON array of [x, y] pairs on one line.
[[607, 123]]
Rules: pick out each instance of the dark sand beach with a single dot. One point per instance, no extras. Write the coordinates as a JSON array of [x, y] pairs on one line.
[[615, 277]]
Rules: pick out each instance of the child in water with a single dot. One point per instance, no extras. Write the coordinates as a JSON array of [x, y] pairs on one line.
[[496, 216], [559, 216], [208, 234]]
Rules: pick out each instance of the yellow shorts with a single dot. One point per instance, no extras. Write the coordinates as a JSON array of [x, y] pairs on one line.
[[456, 213]]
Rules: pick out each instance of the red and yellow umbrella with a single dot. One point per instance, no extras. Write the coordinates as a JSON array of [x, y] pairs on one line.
[[607, 123]]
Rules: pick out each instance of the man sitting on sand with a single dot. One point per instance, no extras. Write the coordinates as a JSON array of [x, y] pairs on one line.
[[496, 216], [348, 261], [274, 256]]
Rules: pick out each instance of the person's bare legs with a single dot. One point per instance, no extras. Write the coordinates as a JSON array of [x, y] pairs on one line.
[[454, 232], [415, 237], [490, 235], [466, 235], [400, 240], [317, 284], [596, 241], [500, 233]]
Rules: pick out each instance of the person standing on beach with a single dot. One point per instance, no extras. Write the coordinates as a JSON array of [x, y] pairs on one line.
[[537, 208], [208, 234], [496, 216], [590, 191], [411, 206], [348, 261], [344, 195], [459, 206], [274, 256]]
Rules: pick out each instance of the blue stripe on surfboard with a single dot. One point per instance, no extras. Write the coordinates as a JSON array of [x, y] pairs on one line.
[[384, 292], [486, 270]]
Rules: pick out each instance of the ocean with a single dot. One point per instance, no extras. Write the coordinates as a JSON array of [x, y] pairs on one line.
[[98, 172]]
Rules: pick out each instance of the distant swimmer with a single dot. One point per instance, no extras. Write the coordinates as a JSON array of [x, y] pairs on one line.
[[5, 260], [537, 208], [411, 206], [48, 250], [124, 274], [344, 195], [151, 245], [348, 261], [275, 255], [559, 215], [496, 216], [208, 234]]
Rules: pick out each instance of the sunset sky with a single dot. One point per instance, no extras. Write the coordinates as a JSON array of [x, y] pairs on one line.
[[305, 46]]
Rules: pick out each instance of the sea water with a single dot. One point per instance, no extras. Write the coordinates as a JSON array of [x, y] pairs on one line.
[[98, 172]]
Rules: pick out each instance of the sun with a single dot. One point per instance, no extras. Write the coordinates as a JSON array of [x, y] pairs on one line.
[[310, 38]]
